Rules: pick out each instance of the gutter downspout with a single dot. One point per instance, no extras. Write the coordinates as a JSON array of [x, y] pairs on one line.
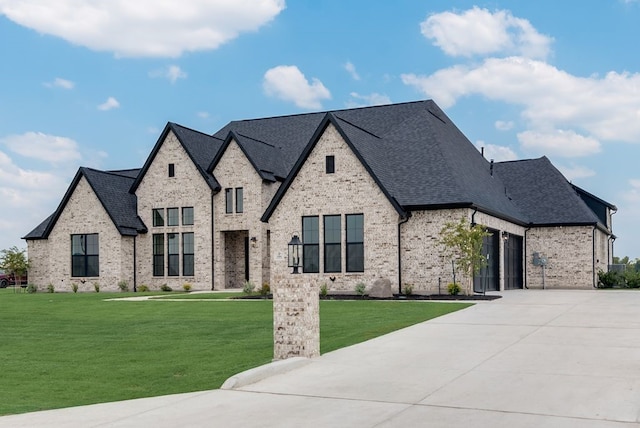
[[593, 256], [213, 245], [135, 276], [526, 257], [406, 219]]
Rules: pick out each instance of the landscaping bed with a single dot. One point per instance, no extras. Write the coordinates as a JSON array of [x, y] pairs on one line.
[[399, 297]]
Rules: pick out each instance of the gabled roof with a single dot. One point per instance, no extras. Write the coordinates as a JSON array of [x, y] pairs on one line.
[[418, 157], [200, 147], [544, 194], [112, 190]]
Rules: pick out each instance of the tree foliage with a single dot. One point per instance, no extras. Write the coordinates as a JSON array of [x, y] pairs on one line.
[[14, 261], [463, 244]]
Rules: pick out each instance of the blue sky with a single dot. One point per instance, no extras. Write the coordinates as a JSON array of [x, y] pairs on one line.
[[93, 82]]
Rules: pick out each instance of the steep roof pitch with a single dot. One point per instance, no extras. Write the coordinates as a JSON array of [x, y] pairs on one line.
[[112, 190], [201, 149], [418, 157], [542, 192]]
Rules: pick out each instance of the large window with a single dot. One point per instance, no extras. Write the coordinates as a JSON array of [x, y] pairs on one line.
[[158, 254], [187, 216], [173, 250], [332, 256], [355, 243], [85, 259], [228, 200], [158, 217], [187, 254], [172, 216], [310, 245], [239, 200]]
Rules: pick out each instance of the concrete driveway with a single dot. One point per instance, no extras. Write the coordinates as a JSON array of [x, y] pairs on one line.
[[535, 358]]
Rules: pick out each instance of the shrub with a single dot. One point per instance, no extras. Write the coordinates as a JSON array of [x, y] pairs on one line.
[[143, 288], [165, 287], [51, 288], [186, 287], [74, 287], [631, 279], [248, 288], [408, 289], [360, 289], [608, 279], [323, 290], [32, 288], [96, 287], [123, 285], [453, 289], [265, 289]]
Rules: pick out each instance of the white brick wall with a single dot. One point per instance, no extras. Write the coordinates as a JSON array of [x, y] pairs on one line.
[[186, 189]]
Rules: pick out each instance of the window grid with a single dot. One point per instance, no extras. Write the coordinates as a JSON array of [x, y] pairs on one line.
[[188, 248], [85, 255], [310, 244], [158, 217], [158, 254], [332, 247], [173, 251], [187, 216], [172, 217], [355, 242]]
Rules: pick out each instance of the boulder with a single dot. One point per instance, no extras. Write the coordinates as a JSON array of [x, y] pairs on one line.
[[381, 288]]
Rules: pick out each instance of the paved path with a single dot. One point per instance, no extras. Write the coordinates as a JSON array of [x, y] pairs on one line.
[[531, 359]]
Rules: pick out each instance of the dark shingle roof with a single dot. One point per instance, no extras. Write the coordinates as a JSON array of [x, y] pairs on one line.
[[112, 190], [542, 192]]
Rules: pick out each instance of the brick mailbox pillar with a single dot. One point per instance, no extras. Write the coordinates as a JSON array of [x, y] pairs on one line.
[[296, 320]]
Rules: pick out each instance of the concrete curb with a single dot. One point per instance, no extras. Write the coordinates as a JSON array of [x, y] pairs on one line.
[[259, 373]]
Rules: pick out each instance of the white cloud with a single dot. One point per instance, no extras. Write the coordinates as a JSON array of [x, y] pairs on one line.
[[203, 114], [171, 73], [48, 148], [28, 196], [479, 32], [143, 28], [288, 83], [352, 71], [502, 125], [573, 172], [373, 99], [496, 152], [607, 108], [60, 83], [558, 142], [110, 104]]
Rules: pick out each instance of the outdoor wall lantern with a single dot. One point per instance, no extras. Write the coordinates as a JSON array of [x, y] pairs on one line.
[[505, 235], [295, 250]]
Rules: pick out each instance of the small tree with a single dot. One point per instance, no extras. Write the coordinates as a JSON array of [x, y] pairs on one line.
[[14, 262], [463, 245]]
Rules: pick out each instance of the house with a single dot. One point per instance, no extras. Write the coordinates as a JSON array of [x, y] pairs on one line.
[[367, 190]]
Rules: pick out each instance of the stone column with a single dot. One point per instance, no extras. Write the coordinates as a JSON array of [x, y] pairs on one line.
[[296, 319]]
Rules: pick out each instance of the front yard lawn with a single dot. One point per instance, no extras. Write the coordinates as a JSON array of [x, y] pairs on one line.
[[64, 349]]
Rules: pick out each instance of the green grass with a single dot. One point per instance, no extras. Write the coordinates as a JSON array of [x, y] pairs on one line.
[[204, 296], [65, 349]]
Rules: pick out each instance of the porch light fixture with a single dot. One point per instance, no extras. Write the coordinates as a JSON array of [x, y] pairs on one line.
[[295, 250], [505, 235]]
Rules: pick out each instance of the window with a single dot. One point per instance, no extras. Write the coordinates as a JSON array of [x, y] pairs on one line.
[[228, 200], [172, 216], [85, 255], [172, 170], [330, 163], [355, 243], [310, 247], [173, 247], [158, 254], [187, 216], [158, 217], [332, 259], [239, 200], [187, 254]]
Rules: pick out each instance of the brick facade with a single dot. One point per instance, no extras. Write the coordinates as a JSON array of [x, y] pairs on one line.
[[51, 258], [186, 189], [350, 190]]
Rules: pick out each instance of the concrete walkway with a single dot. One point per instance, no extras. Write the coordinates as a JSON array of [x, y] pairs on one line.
[[531, 359]]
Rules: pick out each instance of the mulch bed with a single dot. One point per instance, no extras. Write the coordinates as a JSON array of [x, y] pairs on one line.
[[395, 297]]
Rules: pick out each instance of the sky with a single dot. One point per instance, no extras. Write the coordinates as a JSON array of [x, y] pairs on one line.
[[93, 82]]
